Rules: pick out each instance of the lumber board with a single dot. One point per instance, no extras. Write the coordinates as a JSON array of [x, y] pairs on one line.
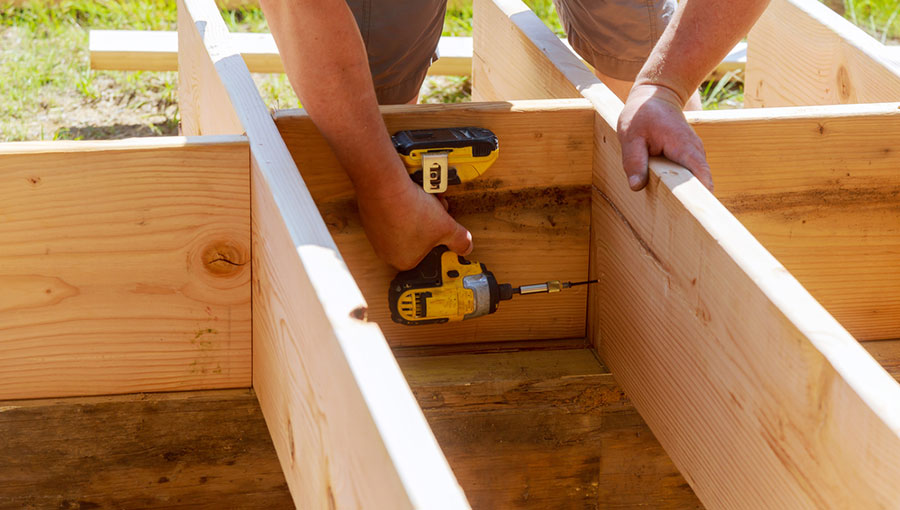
[[124, 266], [758, 395], [819, 188], [543, 429], [167, 450], [529, 214], [802, 53], [887, 353], [344, 423], [507, 65], [157, 50]]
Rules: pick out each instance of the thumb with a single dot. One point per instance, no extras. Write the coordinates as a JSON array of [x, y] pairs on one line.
[[459, 240], [635, 159]]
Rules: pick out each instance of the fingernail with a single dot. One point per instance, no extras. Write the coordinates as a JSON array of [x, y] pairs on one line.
[[634, 181]]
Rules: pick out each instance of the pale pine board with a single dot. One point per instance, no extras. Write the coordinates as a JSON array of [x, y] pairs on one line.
[[500, 48], [125, 266], [346, 428], [529, 214], [759, 396], [819, 188], [157, 50], [800, 53]]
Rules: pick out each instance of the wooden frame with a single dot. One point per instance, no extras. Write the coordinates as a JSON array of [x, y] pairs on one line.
[[749, 381], [739, 362]]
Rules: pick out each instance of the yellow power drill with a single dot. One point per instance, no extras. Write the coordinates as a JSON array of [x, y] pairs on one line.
[[446, 287], [436, 158]]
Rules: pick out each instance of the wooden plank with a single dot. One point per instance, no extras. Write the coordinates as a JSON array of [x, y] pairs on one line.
[[508, 65], [545, 429], [529, 214], [803, 53], [887, 353], [344, 423], [759, 396], [156, 50], [124, 266], [185, 450], [819, 188]]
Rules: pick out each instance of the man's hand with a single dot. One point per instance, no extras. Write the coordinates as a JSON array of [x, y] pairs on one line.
[[404, 226], [652, 124]]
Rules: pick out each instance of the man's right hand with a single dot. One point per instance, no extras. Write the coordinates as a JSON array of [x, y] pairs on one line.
[[405, 223]]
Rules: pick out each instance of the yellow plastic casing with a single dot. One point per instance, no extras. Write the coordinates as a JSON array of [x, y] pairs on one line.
[[467, 166], [450, 300]]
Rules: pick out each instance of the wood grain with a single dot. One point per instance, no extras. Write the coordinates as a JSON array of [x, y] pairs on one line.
[[819, 188], [800, 52], [759, 396], [529, 214], [508, 65], [344, 423], [727, 357], [543, 429], [124, 266], [170, 450]]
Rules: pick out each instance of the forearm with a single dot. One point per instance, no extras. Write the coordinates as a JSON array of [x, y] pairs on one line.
[[325, 60], [699, 36]]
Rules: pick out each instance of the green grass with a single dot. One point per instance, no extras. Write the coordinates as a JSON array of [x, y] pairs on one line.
[[881, 18], [49, 92]]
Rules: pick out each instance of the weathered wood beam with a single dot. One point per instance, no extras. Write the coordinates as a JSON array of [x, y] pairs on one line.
[[803, 53], [125, 266], [151, 50], [346, 427], [185, 449], [543, 429], [529, 214], [819, 188], [759, 396]]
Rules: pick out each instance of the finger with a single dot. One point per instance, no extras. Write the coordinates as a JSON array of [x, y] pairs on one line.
[[693, 157], [634, 159], [444, 202], [459, 241]]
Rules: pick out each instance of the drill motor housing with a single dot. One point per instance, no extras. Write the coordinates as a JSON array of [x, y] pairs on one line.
[[444, 287]]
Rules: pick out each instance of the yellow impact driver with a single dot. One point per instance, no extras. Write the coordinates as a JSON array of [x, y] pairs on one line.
[[446, 287], [438, 158]]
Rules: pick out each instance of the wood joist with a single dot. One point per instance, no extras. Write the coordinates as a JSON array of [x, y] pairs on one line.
[[724, 353], [755, 389]]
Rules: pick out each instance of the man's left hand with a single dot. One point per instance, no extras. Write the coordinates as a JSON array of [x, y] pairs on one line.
[[653, 124]]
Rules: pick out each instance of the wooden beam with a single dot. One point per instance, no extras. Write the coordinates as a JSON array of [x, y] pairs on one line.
[[543, 429], [803, 53], [139, 451], [500, 44], [125, 266], [346, 427], [819, 188], [759, 396], [529, 214], [149, 50], [146, 50]]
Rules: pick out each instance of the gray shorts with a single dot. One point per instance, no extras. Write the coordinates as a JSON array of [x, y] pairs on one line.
[[401, 37]]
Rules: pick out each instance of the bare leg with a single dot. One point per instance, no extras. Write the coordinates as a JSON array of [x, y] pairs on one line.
[[621, 88]]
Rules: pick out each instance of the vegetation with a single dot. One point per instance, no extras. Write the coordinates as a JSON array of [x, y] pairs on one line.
[[50, 92], [881, 18]]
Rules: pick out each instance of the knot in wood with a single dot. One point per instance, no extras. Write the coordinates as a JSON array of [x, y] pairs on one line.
[[845, 88], [223, 258]]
